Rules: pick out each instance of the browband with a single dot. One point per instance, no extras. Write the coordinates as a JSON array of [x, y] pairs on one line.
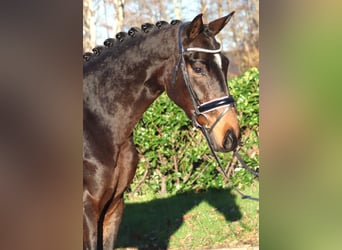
[[195, 49]]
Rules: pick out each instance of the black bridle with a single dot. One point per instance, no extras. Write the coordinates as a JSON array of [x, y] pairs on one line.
[[200, 109]]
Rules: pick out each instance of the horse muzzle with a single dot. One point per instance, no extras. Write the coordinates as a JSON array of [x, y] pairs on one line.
[[229, 142], [221, 128]]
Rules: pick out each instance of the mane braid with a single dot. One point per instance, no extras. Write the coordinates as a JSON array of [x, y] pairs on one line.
[[98, 49], [122, 37], [133, 32], [109, 42]]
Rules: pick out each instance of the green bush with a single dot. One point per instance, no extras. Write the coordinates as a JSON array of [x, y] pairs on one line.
[[174, 157]]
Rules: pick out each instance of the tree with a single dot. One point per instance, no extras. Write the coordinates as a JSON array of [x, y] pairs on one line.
[[177, 9], [89, 31], [240, 39], [119, 14]]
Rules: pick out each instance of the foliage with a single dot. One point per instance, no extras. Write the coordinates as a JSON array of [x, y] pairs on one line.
[[174, 157]]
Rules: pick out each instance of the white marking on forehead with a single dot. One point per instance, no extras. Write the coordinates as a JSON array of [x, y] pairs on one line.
[[218, 60], [217, 56]]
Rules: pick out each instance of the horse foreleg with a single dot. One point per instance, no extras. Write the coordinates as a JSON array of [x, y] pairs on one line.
[[90, 223], [97, 191], [112, 222], [124, 173]]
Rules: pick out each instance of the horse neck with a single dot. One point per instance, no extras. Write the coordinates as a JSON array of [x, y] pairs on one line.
[[119, 88]]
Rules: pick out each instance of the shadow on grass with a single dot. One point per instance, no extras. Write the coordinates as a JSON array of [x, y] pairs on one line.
[[149, 225]]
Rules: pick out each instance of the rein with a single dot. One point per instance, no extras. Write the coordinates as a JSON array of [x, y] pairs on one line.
[[202, 108]]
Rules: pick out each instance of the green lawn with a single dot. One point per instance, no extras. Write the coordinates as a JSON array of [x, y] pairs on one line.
[[193, 220]]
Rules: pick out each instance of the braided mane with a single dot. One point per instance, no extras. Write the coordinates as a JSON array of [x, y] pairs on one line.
[[122, 37]]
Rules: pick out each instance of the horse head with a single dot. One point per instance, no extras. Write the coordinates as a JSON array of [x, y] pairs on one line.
[[199, 85]]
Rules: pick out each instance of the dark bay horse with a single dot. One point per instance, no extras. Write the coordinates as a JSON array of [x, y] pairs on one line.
[[121, 80]]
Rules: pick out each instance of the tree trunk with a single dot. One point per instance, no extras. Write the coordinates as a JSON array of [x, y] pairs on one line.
[[219, 36], [177, 7], [204, 7], [89, 31], [120, 15]]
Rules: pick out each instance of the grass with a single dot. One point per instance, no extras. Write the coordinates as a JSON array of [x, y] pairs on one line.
[[193, 220]]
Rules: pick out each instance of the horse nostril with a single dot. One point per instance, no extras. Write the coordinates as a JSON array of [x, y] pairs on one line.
[[230, 141]]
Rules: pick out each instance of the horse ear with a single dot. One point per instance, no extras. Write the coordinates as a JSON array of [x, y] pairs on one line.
[[196, 27], [217, 25]]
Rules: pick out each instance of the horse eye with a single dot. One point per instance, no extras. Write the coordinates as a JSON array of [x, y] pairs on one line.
[[198, 70]]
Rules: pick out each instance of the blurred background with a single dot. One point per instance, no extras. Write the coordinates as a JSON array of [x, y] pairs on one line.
[[41, 122], [175, 158], [104, 18]]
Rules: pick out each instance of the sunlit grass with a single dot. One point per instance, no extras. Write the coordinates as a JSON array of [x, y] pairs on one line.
[[217, 218]]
